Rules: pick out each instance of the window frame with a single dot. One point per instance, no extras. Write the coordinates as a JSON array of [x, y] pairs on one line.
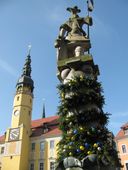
[[42, 146], [52, 144], [123, 148], [32, 168], [52, 165], [33, 146], [40, 166]]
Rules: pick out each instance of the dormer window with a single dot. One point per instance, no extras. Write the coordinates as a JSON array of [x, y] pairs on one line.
[[126, 131], [45, 128]]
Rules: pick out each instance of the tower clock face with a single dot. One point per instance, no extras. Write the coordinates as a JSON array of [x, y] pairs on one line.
[[16, 113], [14, 134]]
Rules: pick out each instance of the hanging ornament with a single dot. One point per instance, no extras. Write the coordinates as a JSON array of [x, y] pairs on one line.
[[75, 131], [62, 95], [86, 145], [93, 129], [82, 148], [81, 77], [69, 132], [67, 119], [78, 150], [70, 153], [99, 149], [70, 114], [88, 133], [71, 143], [65, 146], [70, 124], [89, 152], [95, 145], [81, 128], [70, 147], [64, 150], [73, 138]]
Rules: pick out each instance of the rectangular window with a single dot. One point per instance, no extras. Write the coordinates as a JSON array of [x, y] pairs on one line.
[[33, 146], [41, 166], [32, 166], [52, 165], [2, 150], [41, 146], [123, 148], [52, 144]]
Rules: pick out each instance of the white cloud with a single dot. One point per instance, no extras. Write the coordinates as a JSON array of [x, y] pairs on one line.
[[8, 68]]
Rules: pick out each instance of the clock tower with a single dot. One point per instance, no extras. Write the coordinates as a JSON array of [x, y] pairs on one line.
[[17, 140]]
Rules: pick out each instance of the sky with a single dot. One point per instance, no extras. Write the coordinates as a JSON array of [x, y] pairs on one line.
[[37, 22]]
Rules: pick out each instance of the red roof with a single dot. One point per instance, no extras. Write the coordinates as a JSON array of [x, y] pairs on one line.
[[121, 133], [40, 122], [45, 127]]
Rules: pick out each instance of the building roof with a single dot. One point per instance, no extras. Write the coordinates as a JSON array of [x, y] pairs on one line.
[[45, 127], [121, 134], [40, 122]]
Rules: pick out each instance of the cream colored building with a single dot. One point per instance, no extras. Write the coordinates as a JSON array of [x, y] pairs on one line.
[[122, 145], [27, 144]]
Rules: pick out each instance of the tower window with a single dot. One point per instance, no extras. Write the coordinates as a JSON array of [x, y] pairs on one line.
[[123, 148], [52, 144], [2, 150], [18, 98], [30, 100], [33, 146]]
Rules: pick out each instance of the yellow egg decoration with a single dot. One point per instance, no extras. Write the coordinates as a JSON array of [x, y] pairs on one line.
[[70, 154], [82, 148], [95, 145], [81, 128], [89, 152]]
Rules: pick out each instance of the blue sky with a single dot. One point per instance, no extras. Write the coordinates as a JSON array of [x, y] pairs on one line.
[[24, 22]]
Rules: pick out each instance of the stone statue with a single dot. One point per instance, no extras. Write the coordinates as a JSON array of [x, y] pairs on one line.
[[72, 35]]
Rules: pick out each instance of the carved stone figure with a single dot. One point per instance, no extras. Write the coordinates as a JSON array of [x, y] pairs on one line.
[[72, 35]]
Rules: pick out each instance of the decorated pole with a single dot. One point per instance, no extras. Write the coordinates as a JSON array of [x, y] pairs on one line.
[[86, 142]]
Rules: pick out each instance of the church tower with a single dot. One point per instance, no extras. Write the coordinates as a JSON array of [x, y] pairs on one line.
[[17, 140]]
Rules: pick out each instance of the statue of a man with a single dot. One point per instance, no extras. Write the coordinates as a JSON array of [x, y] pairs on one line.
[[72, 32], [74, 24]]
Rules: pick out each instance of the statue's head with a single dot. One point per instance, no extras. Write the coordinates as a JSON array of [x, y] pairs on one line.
[[74, 10], [79, 51]]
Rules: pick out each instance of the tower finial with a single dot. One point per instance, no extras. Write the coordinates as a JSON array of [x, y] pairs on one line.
[[43, 114], [29, 49]]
